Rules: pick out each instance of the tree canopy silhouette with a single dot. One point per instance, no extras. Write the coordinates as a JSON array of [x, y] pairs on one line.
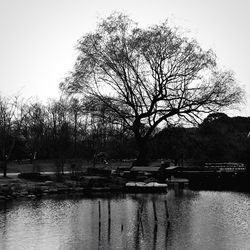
[[149, 76]]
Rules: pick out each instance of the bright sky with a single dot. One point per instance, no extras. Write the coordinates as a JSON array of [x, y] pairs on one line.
[[38, 37]]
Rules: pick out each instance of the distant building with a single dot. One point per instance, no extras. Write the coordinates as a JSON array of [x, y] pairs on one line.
[[226, 167]]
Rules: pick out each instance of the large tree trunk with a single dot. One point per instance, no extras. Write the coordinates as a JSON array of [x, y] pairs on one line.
[[143, 155]]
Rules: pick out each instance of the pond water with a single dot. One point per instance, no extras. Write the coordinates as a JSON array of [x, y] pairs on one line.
[[198, 220]]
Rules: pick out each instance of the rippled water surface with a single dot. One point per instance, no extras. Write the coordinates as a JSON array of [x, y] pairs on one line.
[[198, 220]]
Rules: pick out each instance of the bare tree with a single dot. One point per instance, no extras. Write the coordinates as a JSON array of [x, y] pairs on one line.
[[36, 128], [12, 114], [149, 76], [75, 109]]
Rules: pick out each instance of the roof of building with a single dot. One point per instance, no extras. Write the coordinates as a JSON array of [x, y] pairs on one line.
[[145, 169]]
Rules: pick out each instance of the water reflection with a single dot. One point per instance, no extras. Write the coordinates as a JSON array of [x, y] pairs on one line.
[[198, 220]]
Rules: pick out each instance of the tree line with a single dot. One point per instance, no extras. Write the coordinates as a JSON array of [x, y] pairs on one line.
[[72, 128]]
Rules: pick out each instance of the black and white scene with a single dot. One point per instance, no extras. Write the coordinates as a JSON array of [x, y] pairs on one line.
[[124, 125]]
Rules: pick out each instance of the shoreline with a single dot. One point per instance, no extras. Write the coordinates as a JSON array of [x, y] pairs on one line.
[[15, 189]]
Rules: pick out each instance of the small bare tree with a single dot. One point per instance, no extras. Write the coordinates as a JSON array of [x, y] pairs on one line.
[[12, 114], [149, 76]]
